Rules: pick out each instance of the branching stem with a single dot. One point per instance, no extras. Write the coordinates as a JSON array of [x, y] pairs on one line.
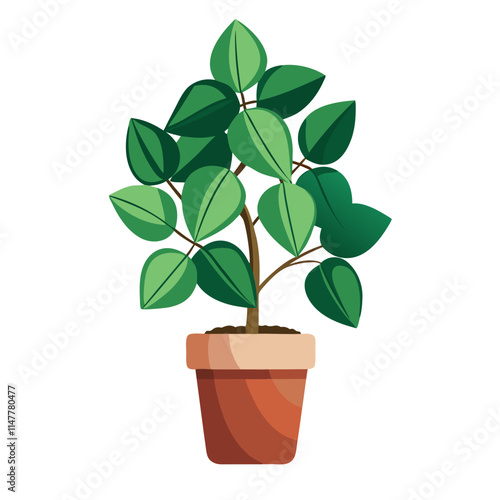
[[300, 164], [247, 103], [174, 189], [288, 263]]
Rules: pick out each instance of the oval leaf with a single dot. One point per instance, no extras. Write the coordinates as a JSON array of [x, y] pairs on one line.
[[288, 213], [288, 89], [348, 229], [205, 109], [326, 133], [211, 199], [360, 228], [334, 290], [197, 152], [225, 274], [152, 155], [260, 139], [167, 279], [330, 191], [238, 58], [148, 212]]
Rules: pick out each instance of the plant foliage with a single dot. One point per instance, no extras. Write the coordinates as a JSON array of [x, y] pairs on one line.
[[213, 127]]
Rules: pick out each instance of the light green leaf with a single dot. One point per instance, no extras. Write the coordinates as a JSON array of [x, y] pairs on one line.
[[148, 212], [167, 279], [326, 133], [152, 154], [197, 152], [225, 274], [260, 139], [238, 58], [211, 199], [288, 213], [334, 290], [348, 229], [288, 89], [205, 109]]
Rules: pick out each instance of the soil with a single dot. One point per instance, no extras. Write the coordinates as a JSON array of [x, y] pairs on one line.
[[262, 329]]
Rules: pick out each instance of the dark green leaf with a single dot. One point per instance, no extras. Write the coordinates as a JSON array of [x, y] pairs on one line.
[[288, 89], [225, 274], [260, 139], [288, 213], [348, 229], [238, 58], [326, 133], [167, 279], [211, 199], [360, 228], [148, 212], [152, 154], [197, 152], [205, 109], [334, 290]]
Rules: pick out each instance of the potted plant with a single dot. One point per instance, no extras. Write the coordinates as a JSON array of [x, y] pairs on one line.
[[251, 379]]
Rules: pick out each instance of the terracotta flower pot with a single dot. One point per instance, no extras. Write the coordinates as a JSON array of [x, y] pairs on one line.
[[251, 389]]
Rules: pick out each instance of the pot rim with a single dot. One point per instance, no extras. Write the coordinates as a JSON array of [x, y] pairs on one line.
[[238, 351]]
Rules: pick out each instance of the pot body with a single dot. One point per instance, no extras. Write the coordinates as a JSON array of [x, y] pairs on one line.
[[251, 389]]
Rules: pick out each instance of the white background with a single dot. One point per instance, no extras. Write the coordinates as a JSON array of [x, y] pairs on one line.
[[61, 242]]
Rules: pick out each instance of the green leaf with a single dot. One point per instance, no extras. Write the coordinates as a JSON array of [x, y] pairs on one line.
[[225, 274], [167, 279], [288, 89], [152, 154], [334, 290], [360, 228], [260, 139], [330, 190], [148, 212], [211, 199], [326, 133], [197, 152], [348, 229], [205, 109], [238, 58], [288, 213]]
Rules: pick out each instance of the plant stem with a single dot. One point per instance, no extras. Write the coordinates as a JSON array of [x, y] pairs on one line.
[[252, 325], [300, 164], [239, 169], [188, 239], [248, 102], [288, 263], [174, 189], [256, 220], [243, 103]]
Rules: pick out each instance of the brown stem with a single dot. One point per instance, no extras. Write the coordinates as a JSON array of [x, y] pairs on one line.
[[176, 230], [252, 325], [248, 102], [174, 189], [256, 220], [300, 164], [243, 103], [288, 263], [239, 169], [305, 262], [188, 239]]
